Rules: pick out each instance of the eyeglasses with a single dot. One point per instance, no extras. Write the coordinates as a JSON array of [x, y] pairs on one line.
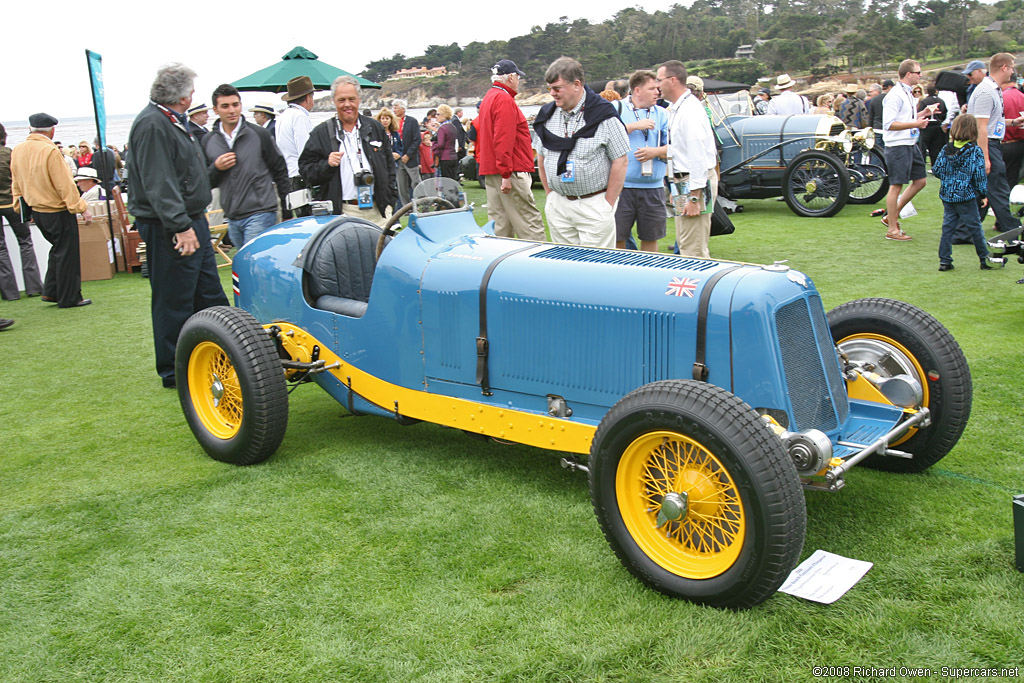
[[914, 72]]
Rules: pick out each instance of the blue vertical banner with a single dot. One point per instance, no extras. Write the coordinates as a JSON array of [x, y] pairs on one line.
[[96, 80]]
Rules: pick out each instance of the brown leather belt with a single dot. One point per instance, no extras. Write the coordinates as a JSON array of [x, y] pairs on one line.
[[350, 202], [583, 196]]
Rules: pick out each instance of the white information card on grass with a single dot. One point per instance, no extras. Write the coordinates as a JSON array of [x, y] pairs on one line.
[[825, 577]]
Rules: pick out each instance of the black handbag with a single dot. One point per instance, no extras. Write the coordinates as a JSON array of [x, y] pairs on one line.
[[721, 224]]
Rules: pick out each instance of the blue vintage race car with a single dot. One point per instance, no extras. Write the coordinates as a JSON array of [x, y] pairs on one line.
[[698, 395], [810, 160]]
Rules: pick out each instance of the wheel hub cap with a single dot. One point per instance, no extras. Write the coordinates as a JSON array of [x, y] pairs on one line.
[[811, 187], [217, 390], [673, 508]]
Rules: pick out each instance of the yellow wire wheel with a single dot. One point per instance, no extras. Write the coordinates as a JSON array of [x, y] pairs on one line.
[[893, 338], [680, 504], [898, 359], [696, 495], [214, 389], [231, 385]]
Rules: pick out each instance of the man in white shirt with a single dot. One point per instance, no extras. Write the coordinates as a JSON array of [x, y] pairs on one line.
[[293, 128], [88, 182], [902, 125], [787, 102], [691, 160], [986, 104]]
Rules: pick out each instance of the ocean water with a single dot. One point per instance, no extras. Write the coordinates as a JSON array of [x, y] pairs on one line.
[[71, 131]]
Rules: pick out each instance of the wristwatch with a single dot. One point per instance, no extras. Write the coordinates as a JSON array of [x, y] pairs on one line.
[[693, 200]]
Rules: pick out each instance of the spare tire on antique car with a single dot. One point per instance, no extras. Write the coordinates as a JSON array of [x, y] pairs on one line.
[[696, 494], [816, 184], [231, 385], [898, 338]]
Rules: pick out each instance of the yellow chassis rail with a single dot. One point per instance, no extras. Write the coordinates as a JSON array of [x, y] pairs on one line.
[[531, 429]]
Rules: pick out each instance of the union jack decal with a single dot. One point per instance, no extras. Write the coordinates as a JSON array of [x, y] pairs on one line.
[[682, 286]]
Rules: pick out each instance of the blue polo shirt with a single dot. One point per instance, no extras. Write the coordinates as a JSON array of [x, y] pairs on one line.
[[656, 137]]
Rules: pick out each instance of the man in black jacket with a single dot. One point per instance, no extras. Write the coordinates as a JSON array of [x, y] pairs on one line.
[[244, 162], [877, 93], [170, 192], [409, 163], [105, 163], [349, 157]]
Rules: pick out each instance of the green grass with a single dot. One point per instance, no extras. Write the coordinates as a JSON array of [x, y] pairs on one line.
[[366, 551]]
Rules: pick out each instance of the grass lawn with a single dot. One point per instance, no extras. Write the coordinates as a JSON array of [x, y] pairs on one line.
[[366, 551]]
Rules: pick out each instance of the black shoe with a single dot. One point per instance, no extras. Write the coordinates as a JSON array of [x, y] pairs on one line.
[[943, 267], [5, 323], [169, 382], [33, 294], [47, 299], [985, 266], [83, 302]]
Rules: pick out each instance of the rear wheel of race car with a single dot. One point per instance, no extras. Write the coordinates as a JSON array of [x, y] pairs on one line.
[[696, 495], [815, 184], [897, 338], [231, 385], [875, 181]]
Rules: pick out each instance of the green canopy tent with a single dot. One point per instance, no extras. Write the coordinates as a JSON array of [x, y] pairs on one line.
[[298, 62]]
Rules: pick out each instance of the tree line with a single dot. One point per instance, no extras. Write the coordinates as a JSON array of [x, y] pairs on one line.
[[820, 37]]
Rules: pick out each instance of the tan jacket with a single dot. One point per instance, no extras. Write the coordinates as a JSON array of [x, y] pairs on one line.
[[39, 174]]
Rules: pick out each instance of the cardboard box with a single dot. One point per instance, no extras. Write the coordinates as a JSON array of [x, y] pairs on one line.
[[99, 228], [96, 251]]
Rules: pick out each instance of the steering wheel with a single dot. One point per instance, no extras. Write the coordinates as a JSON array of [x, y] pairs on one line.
[[389, 227]]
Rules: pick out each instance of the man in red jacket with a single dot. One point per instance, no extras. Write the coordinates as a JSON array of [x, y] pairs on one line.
[[505, 157]]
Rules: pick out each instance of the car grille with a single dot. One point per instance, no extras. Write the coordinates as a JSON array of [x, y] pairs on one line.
[[836, 129], [816, 389], [641, 259]]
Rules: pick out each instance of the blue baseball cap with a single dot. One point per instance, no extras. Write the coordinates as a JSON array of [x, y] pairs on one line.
[[973, 66]]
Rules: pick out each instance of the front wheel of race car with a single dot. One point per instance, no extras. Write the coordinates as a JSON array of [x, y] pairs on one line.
[[871, 181], [815, 184], [231, 385], [896, 338], [696, 495]]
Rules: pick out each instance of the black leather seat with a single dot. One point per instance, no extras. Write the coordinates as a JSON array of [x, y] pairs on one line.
[[340, 265]]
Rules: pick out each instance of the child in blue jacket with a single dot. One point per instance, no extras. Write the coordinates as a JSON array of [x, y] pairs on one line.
[[961, 168]]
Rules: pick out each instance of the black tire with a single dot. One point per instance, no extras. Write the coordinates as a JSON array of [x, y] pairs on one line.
[[875, 184], [865, 327], [231, 385], [815, 184], [718, 450]]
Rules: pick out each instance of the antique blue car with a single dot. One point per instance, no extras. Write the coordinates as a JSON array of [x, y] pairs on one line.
[[699, 396], [810, 160]]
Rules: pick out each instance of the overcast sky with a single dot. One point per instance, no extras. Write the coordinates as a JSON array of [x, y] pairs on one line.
[[43, 49]]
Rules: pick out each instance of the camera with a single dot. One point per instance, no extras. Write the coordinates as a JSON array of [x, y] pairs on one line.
[[364, 177]]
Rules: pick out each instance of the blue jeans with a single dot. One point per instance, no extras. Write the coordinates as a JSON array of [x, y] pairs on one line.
[[245, 230], [963, 214]]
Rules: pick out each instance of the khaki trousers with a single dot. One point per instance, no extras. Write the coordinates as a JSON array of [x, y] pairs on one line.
[[589, 222], [372, 215], [693, 232], [514, 214]]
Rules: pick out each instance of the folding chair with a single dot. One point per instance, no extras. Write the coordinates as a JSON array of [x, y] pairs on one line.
[[218, 229]]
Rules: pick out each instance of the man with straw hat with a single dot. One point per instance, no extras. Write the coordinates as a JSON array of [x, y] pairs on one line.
[[787, 102]]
